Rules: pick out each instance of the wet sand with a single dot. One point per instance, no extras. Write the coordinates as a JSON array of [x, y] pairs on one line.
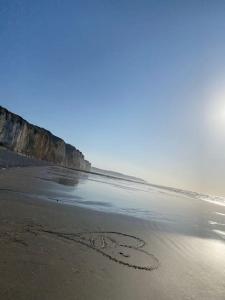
[[49, 250]]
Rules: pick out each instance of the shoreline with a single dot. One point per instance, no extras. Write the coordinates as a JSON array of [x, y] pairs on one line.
[[50, 250]]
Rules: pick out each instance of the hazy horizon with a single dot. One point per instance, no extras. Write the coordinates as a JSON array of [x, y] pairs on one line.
[[137, 86]]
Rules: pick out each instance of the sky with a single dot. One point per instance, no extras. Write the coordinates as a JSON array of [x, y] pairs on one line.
[[138, 86]]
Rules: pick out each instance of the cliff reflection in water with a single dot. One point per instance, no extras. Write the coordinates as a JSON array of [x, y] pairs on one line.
[[65, 176]]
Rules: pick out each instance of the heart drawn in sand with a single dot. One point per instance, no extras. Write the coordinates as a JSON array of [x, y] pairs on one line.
[[121, 248]]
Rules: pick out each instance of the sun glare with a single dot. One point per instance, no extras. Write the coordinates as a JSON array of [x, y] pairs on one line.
[[216, 114], [219, 115]]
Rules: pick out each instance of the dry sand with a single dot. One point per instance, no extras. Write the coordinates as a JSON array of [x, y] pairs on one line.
[[53, 251]]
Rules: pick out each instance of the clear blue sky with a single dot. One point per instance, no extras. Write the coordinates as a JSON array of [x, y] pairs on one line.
[[138, 86]]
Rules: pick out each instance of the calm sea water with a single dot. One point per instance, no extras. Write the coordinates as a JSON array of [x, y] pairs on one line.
[[170, 209]]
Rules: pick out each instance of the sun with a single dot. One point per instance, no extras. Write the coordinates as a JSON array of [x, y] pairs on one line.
[[219, 115], [215, 113]]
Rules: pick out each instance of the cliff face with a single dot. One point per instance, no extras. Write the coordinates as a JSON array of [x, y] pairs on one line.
[[18, 135]]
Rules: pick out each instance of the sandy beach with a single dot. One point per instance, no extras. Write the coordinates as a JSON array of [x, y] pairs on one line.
[[112, 150], [55, 244]]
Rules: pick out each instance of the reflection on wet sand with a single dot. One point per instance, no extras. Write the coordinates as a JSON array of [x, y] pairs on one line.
[[168, 211]]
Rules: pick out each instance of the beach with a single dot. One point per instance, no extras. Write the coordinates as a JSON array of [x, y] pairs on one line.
[[66, 234]]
